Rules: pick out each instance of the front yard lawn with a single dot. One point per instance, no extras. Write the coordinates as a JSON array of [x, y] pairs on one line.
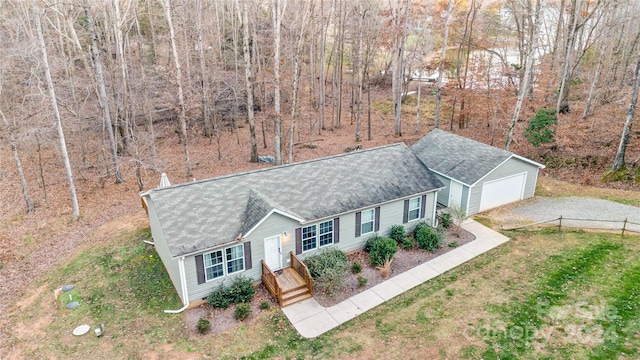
[[542, 295]]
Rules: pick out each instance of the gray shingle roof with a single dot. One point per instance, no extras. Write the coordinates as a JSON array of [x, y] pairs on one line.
[[458, 157], [199, 215]]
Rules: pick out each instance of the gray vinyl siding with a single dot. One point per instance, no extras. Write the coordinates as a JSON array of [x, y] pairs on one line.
[[466, 192], [275, 224], [163, 250], [443, 195], [510, 167], [390, 214]]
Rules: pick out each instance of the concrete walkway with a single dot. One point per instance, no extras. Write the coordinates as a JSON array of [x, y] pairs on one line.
[[312, 320]]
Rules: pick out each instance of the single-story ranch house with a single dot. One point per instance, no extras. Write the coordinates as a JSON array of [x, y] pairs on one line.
[[263, 222], [212, 230], [477, 177]]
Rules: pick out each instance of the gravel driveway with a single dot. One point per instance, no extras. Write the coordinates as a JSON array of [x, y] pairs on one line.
[[547, 208]]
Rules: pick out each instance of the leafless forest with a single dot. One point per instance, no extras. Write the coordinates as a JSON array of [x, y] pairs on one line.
[[99, 97]]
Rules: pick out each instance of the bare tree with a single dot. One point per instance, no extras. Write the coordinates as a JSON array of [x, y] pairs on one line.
[[527, 70], [243, 17], [618, 162], [181, 106], [56, 113], [16, 158], [397, 60], [443, 56], [103, 99], [278, 9]]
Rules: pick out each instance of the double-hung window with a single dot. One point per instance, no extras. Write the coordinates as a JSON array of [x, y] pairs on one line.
[[367, 221], [326, 233], [414, 208], [235, 259], [317, 235], [309, 240], [213, 265], [223, 262]]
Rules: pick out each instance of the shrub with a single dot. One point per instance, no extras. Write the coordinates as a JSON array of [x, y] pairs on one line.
[[326, 260], [408, 243], [203, 326], [370, 241], [382, 250], [447, 220], [328, 268], [428, 238], [241, 290], [356, 267], [453, 244], [243, 310], [540, 131], [264, 305], [397, 233], [218, 298], [362, 281], [385, 269]]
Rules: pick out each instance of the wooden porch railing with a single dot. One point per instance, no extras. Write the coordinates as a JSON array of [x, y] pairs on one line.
[[270, 280], [302, 270]]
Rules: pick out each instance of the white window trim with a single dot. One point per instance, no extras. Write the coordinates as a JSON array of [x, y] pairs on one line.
[[317, 237], [241, 257], [225, 271], [373, 222], [420, 216], [329, 232]]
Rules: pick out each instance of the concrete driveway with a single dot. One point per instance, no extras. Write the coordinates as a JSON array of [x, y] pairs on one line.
[[594, 213]]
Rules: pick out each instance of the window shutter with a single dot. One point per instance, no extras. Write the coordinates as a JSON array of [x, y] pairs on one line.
[[247, 255], [358, 223], [405, 215], [298, 241], [336, 230], [200, 269], [377, 220], [423, 206]]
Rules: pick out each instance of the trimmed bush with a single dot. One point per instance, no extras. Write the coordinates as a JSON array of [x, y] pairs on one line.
[[428, 238], [203, 325], [328, 269], [362, 281], [264, 305], [370, 241], [356, 267], [408, 243], [382, 250], [397, 233], [243, 311], [240, 291]]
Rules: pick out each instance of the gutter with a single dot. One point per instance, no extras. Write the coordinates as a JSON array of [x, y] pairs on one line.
[[183, 280]]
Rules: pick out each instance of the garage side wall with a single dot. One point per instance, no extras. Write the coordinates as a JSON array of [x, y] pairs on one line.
[[443, 195], [509, 167]]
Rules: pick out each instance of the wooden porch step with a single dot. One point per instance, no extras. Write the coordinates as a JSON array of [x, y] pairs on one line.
[[292, 300]]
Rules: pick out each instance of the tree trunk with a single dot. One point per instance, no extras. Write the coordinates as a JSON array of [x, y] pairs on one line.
[[243, 16], [16, 158], [527, 70], [278, 9], [618, 162], [104, 101], [323, 76], [56, 113], [441, 65], [296, 75], [181, 107]]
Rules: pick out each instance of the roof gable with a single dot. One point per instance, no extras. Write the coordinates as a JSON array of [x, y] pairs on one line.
[[460, 158], [199, 215]]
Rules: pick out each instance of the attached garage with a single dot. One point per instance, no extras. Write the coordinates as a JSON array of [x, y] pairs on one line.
[[478, 177]]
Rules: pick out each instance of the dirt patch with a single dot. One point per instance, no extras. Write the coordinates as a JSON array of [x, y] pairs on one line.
[[402, 261]]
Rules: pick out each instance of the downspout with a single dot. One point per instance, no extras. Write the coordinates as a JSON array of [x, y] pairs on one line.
[[149, 242], [185, 294], [434, 220]]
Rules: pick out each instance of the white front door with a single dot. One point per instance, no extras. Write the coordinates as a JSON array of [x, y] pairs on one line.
[[272, 252], [455, 195]]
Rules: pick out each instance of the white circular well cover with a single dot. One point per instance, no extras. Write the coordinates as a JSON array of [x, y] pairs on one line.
[[81, 330]]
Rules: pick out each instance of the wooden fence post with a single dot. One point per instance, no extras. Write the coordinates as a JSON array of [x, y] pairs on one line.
[[560, 223], [624, 226]]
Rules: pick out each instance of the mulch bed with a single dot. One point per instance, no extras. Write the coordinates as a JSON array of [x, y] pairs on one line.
[[402, 261]]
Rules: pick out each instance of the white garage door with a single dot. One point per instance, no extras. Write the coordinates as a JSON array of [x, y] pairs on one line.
[[502, 191]]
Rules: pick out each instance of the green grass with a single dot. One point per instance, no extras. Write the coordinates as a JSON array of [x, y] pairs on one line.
[[546, 294]]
